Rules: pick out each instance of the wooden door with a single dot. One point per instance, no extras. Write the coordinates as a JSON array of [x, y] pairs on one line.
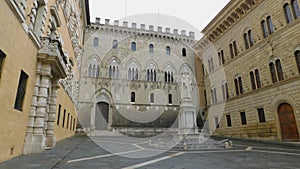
[[101, 118], [288, 123]]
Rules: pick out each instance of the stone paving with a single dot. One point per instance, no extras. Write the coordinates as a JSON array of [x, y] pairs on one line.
[[81, 152]]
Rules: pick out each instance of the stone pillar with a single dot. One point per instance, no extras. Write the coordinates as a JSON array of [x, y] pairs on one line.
[[50, 138], [32, 114], [35, 136], [187, 118], [93, 116]]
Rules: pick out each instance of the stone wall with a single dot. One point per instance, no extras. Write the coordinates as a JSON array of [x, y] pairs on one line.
[[281, 44]]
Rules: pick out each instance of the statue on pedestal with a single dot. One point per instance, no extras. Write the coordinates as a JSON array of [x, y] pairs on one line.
[[186, 86]]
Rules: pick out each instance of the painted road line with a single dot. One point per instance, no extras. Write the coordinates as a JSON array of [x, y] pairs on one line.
[[249, 148], [103, 156], [270, 148], [139, 147], [215, 151], [154, 161], [276, 152]]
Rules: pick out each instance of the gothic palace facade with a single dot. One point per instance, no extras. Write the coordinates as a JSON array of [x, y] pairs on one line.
[[130, 75]]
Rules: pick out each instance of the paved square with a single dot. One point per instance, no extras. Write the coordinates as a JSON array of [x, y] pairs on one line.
[[81, 152]]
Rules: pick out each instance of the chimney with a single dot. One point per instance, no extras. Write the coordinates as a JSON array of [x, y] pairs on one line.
[[183, 32], [143, 26]]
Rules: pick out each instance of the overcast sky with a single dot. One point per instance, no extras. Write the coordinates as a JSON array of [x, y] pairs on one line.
[[172, 13]]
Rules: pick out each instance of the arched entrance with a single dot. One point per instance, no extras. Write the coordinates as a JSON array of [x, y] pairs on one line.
[[101, 116], [288, 125]]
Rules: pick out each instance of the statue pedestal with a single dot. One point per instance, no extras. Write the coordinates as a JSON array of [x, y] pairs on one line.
[[187, 118]]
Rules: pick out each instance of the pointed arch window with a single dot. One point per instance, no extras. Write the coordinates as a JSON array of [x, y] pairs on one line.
[[151, 75], [151, 97], [115, 44], [221, 57], [183, 52], [151, 48], [133, 46], [132, 97], [233, 49], [168, 50], [238, 86], [170, 99], [96, 42], [255, 79], [113, 72], [276, 71], [90, 71]]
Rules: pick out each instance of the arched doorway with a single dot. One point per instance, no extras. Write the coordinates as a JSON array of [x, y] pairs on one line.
[[101, 116], [288, 125]]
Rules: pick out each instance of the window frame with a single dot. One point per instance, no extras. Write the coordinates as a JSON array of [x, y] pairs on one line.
[[133, 46], [288, 13], [21, 91], [2, 57], [243, 118], [115, 44], [183, 52], [132, 97], [170, 99], [96, 42], [261, 115], [58, 114], [151, 48], [295, 9], [151, 98], [297, 57], [168, 50], [228, 119]]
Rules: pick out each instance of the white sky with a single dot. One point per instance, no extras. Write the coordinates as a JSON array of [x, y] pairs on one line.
[[195, 12]]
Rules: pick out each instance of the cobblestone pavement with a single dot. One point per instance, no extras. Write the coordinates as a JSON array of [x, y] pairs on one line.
[[81, 152]]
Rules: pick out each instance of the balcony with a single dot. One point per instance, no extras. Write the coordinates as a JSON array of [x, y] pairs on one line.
[[52, 53]]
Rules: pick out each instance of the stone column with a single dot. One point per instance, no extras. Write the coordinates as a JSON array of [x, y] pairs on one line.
[[93, 114], [35, 136], [50, 138], [32, 114]]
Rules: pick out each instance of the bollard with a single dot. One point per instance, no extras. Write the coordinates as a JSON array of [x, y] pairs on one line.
[[150, 142]]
